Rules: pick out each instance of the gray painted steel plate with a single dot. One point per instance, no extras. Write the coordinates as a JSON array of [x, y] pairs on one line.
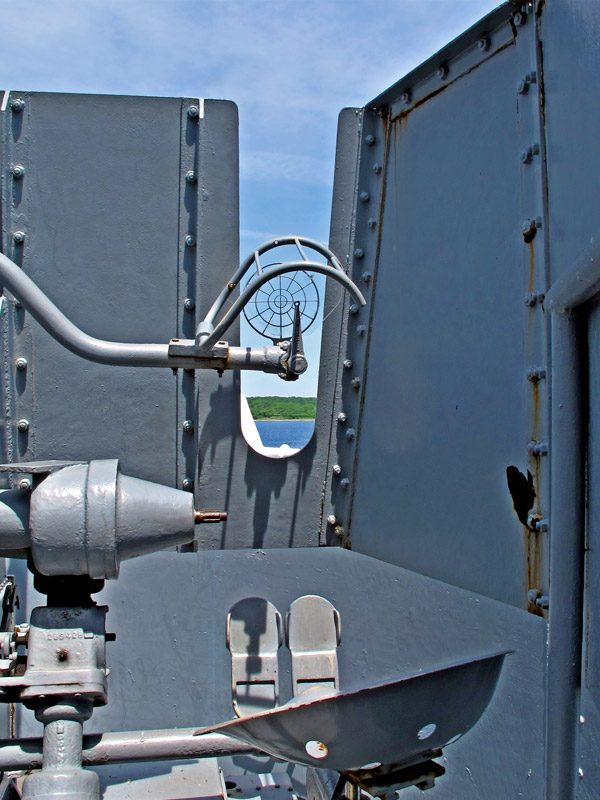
[[391, 723]]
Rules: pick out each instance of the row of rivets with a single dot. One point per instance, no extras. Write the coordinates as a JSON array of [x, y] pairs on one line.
[[365, 198]]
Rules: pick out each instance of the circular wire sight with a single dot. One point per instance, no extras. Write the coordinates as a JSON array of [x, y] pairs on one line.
[[270, 312]]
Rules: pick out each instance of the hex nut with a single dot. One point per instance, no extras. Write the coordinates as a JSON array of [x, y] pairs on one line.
[[484, 43], [190, 240], [371, 222], [364, 197], [377, 167], [21, 364], [331, 520], [18, 171], [23, 425], [187, 484], [344, 483], [17, 105], [188, 425], [356, 382], [191, 176], [347, 363], [341, 417], [359, 252], [25, 484], [18, 237], [189, 303], [193, 112], [337, 470], [370, 139]]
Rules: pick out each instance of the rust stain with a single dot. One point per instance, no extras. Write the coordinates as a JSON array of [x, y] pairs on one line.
[[524, 497], [531, 263], [536, 411], [533, 550]]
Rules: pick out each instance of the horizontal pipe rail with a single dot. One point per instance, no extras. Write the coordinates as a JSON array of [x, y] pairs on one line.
[[128, 747]]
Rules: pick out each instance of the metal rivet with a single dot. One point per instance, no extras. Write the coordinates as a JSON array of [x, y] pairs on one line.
[[23, 424], [331, 520], [345, 483], [355, 382], [353, 309], [189, 303], [359, 252], [191, 176], [347, 364], [371, 222], [537, 448], [406, 97], [190, 240], [364, 197], [187, 485], [21, 364], [350, 434], [525, 156], [18, 171], [341, 417], [337, 469], [484, 43], [520, 18], [17, 105], [18, 237], [442, 71], [370, 139], [366, 276], [193, 112], [25, 484], [361, 330], [188, 425], [535, 374], [377, 167]]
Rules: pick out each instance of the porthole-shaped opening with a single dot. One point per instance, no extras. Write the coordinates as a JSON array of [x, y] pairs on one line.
[[278, 416]]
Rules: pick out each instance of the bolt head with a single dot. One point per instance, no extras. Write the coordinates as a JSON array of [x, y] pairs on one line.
[[520, 18], [533, 594], [337, 469], [361, 330], [350, 434], [377, 167], [406, 97], [364, 197], [525, 156], [372, 222], [370, 139], [523, 87], [25, 485], [341, 417], [193, 112], [347, 364], [331, 520], [188, 425], [189, 303], [484, 43], [21, 364], [17, 105], [18, 237], [353, 309], [191, 176], [527, 226], [18, 171], [23, 425], [359, 253], [356, 382], [442, 71], [366, 276], [344, 483], [190, 240], [187, 484]]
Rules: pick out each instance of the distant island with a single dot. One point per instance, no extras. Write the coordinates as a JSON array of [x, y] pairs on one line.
[[283, 407]]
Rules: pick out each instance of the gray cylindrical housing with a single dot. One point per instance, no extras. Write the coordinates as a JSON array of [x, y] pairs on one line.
[[86, 518], [14, 521]]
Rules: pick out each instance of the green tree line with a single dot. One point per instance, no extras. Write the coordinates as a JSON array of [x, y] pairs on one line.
[[283, 407]]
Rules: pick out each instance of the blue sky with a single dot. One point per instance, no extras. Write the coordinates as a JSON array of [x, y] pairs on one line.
[[290, 65]]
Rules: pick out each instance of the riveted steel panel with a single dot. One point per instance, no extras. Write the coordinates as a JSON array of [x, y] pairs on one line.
[[444, 407]]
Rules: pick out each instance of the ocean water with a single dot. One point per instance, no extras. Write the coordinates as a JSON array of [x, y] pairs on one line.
[[293, 432]]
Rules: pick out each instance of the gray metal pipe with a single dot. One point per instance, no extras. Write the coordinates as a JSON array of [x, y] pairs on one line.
[[567, 541], [70, 336], [129, 747]]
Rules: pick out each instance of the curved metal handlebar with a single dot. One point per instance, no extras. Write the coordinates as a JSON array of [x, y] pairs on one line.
[[207, 334], [133, 354]]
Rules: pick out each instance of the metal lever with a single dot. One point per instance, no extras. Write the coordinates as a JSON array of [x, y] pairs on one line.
[[295, 363]]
